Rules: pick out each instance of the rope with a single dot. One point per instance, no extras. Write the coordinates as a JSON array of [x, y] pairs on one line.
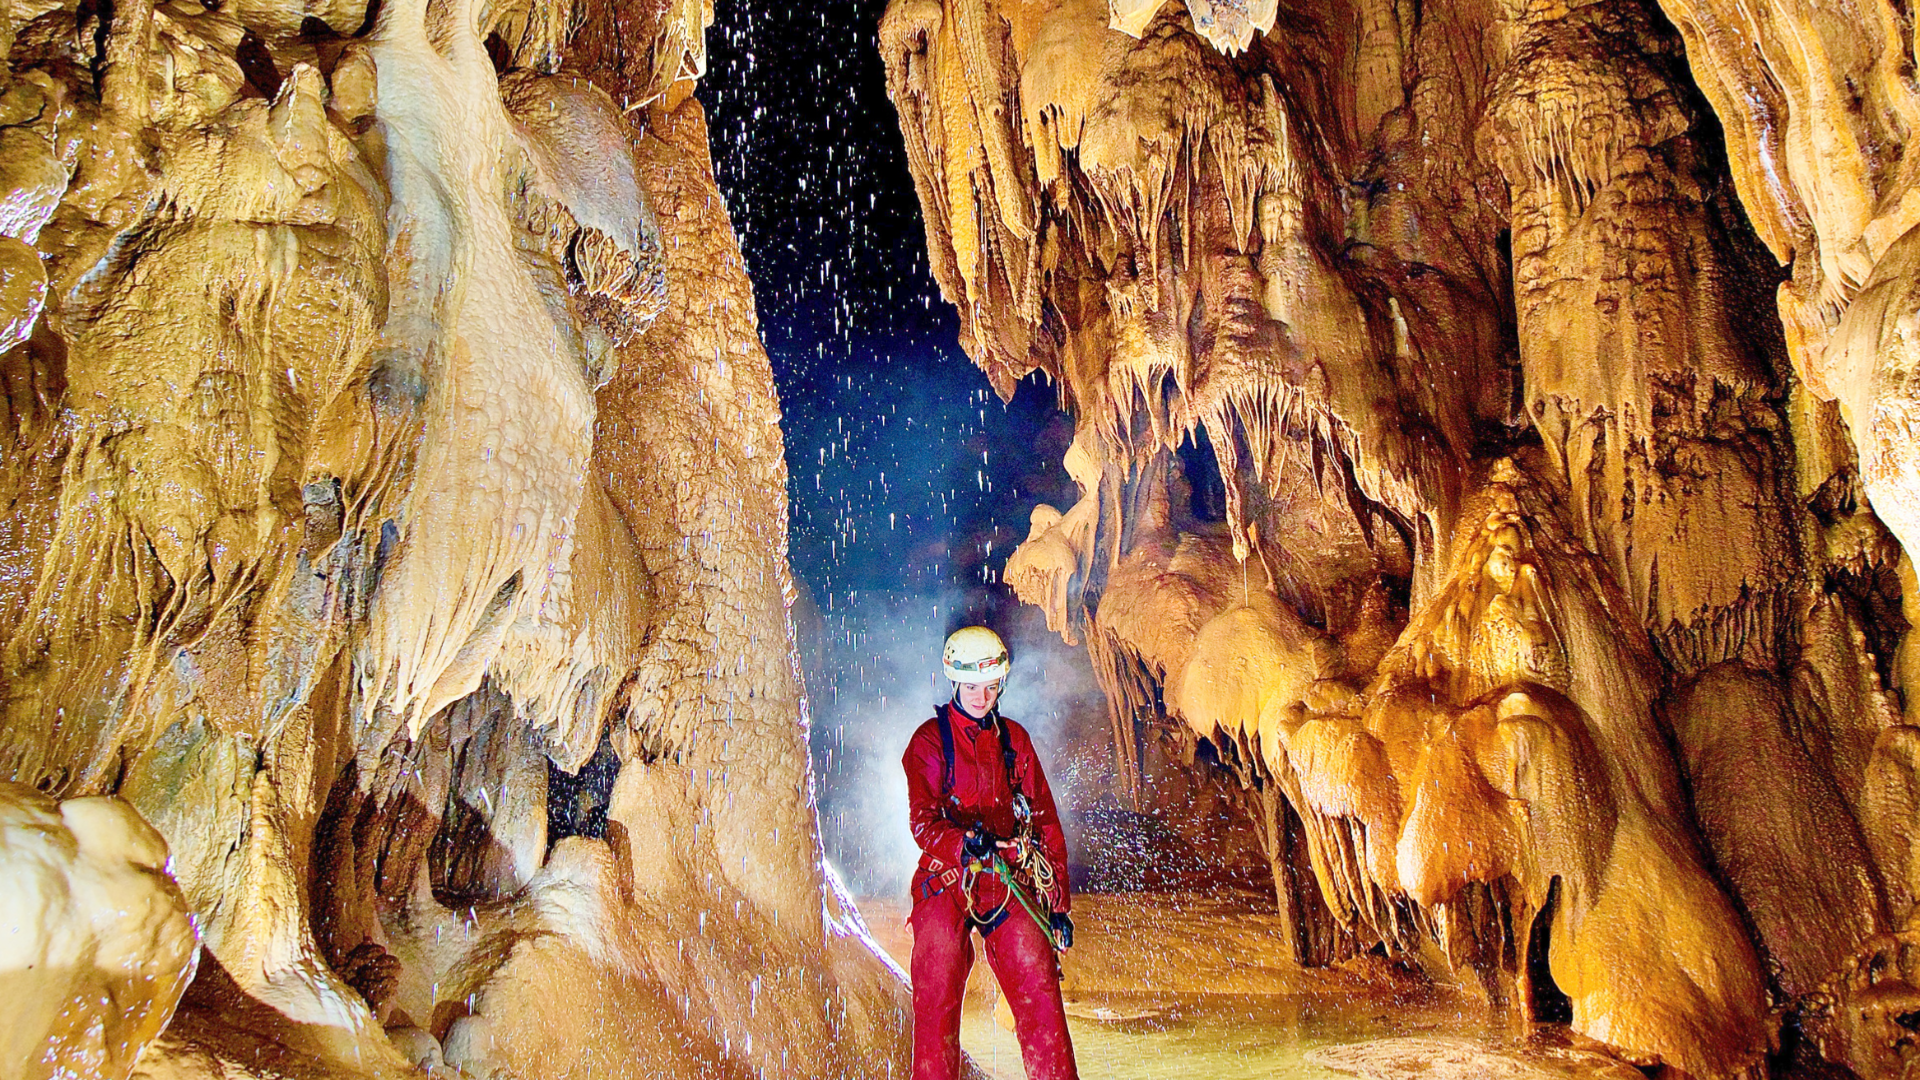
[[967, 877], [1038, 867], [1005, 873]]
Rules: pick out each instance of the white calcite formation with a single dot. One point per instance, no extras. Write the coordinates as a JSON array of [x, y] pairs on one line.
[[96, 944], [387, 438]]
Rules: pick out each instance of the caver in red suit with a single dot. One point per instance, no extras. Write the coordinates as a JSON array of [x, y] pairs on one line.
[[1019, 951]]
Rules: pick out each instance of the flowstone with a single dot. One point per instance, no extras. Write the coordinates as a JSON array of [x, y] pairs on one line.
[[96, 944], [389, 447], [1550, 621]]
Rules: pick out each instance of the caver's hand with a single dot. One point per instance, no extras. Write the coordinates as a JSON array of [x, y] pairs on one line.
[[1062, 931], [980, 843]]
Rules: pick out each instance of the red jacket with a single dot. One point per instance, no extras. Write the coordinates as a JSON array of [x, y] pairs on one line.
[[981, 796]]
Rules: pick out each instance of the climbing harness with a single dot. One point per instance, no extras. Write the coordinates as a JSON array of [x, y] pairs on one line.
[[1004, 872], [1026, 854]]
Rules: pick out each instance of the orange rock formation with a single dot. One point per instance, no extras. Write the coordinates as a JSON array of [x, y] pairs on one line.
[[386, 419], [1551, 613]]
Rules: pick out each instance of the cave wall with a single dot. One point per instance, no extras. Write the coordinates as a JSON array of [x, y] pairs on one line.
[[397, 524], [1547, 359]]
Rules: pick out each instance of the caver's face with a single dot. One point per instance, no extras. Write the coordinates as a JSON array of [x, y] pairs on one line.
[[977, 698]]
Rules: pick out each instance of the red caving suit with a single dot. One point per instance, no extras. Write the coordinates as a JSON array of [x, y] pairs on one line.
[[1019, 952]]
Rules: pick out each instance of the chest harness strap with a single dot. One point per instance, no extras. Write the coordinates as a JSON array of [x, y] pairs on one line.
[[1027, 855], [1006, 760]]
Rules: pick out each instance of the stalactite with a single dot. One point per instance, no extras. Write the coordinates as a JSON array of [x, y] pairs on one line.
[[375, 447], [1511, 773]]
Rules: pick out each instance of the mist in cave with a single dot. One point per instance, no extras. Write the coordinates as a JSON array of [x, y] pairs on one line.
[[483, 487], [908, 474], [912, 481]]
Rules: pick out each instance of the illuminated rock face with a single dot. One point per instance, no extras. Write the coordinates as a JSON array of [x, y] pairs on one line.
[[1540, 587], [97, 943], [387, 438]]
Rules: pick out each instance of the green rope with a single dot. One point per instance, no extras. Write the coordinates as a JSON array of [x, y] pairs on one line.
[[1005, 873]]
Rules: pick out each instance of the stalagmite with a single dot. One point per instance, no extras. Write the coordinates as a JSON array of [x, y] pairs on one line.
[[98, 941], [1550, 590], [394, 589]]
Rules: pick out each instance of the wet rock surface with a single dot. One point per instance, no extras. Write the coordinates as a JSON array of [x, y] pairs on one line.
[[1172, 986], [1550, 606], [386, 435], [1461, 1059], [96, 943]]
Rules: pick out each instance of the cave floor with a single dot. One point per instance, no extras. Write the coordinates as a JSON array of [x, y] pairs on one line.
[[1168, 986]]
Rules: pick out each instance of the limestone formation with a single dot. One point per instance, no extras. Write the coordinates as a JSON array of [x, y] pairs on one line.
[[98, 945], [387, 437], [1550, 613], [396, 673]]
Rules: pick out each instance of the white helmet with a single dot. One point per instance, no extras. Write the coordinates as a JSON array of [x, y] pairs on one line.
[[975, 654]]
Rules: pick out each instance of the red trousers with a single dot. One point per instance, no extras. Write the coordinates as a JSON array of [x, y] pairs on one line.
[[1022, 960]]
